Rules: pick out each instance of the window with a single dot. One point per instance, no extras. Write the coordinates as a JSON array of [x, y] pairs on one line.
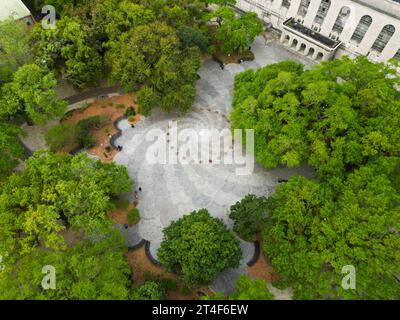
[[341, 20], [362, 29], [303, 7], [383, 38], [397, 55], [322, 11]]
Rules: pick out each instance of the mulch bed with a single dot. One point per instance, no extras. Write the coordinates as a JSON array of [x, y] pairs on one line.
[[107, 107], [262, 269]]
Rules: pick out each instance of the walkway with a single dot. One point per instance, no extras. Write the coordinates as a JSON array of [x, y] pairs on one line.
[[173, 190]]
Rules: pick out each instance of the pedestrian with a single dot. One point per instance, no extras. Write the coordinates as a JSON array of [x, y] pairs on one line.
[[140, 189]]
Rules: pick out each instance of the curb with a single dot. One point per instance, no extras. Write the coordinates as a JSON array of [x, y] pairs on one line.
[[137, 246], [149, 255], [119, 133], [256, 255]]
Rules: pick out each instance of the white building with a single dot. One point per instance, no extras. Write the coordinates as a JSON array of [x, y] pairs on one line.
[[15, 9], [326, 29]]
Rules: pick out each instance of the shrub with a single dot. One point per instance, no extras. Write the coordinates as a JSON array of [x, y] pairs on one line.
[[84, 107], [185, 291], [130, 112], [249, 215], [249, 289], [149, 276], [83, 128], [60, 135], [121, 204], [190, 37], [133, 216], [150, 290], [169, 284], [120, 106], [212, 49]]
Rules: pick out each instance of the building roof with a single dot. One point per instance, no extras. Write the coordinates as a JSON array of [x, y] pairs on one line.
[[13, 8], [316, 36]]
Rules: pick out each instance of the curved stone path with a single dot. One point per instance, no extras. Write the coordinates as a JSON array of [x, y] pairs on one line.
[[131, 235], [170, 191]]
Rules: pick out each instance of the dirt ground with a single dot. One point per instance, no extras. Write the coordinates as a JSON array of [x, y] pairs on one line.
[[140, 263], [120, 216], [107, 107], [262, 269]]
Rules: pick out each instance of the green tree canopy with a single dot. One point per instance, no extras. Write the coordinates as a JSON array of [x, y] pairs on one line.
[[11, 149], [15, 50], [150, 290], [336, 116], [89, 270], [150, 55], [249, 289], [200, 247], [235, 33], [249, 215], [316, 230], [55, 191], [32, 92], [71, 43]]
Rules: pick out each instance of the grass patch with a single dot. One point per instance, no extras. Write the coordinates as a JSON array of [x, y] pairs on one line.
[[133, 216]]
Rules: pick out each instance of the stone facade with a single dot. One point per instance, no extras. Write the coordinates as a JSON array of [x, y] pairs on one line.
[[327, 29]]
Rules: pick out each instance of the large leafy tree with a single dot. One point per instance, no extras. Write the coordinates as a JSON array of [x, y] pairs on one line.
[[53, 192], [329, 116], [15, 50], [251, 289], [235, 33], [126, 16], [249, 215], [90, 269], [150, 290], [316, 230], [150, 55], [340, 117], [200, 247], [69, 47], [32, 92]]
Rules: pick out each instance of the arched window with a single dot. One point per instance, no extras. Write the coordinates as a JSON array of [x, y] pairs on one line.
[[397, 55], [341, 20], [383, 38], [362, 29], [304, 4], [322, 11]]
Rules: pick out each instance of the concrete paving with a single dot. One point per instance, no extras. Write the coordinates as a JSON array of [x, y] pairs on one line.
[[131, 234], [172, 190]]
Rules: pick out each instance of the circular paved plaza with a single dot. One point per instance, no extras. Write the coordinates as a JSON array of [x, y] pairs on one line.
[[172, 190]]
